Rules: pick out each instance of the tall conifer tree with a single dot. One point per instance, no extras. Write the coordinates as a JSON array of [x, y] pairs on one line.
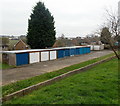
[[41, 30]]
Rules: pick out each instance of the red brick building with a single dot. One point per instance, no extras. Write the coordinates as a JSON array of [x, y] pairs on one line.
[[20, 45]]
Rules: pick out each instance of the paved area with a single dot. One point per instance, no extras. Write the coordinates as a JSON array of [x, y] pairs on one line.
[[24, 72]]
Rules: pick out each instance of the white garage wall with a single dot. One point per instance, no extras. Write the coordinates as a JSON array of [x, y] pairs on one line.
[[96, 47], [53, 55], [91, 47], [34, 57], [44, 56], [102, 47]]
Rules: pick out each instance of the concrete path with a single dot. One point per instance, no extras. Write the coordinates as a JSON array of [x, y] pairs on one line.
[[24, 72]]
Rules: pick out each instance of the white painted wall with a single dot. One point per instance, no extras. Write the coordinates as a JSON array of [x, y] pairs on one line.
[[91, 47], [53, 55], [102, 47], [97, 47], [44, 56], [34, 57]]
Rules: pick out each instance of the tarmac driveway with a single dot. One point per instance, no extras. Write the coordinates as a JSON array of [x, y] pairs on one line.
[[24, 72]]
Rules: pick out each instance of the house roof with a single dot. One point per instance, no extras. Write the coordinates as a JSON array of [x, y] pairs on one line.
[[22, 42]]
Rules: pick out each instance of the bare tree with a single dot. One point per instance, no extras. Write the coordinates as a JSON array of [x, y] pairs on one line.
[[112, 33], [113, 24], [107, 38]]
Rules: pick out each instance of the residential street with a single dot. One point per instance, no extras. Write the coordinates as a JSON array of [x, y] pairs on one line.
[[24, 72]]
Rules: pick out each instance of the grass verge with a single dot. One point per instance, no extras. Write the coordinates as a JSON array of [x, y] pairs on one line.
[[13, 87], [99, 85], [5, 66]]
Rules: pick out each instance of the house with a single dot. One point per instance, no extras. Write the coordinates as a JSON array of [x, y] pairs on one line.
[[21, 45]]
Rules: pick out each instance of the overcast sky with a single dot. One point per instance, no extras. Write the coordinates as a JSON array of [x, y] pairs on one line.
[[72, 17]]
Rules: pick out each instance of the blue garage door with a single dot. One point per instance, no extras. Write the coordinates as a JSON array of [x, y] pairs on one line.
[[67, 52], [60, 53], [84, 50], [81, 50], [22, 58], [77, 51], [88, 49], [72, 52]]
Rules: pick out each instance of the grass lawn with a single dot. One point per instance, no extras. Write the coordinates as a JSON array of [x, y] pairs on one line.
[[99, 85], [7, 89], [12, 43], [5, 66]]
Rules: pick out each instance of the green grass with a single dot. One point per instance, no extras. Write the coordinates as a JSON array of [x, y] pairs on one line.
[[5, 66], [7, 89], [99, 85], [12, 42]]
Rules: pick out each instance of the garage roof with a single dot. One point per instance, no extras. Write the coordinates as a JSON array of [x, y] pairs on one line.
[[39, 50]]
